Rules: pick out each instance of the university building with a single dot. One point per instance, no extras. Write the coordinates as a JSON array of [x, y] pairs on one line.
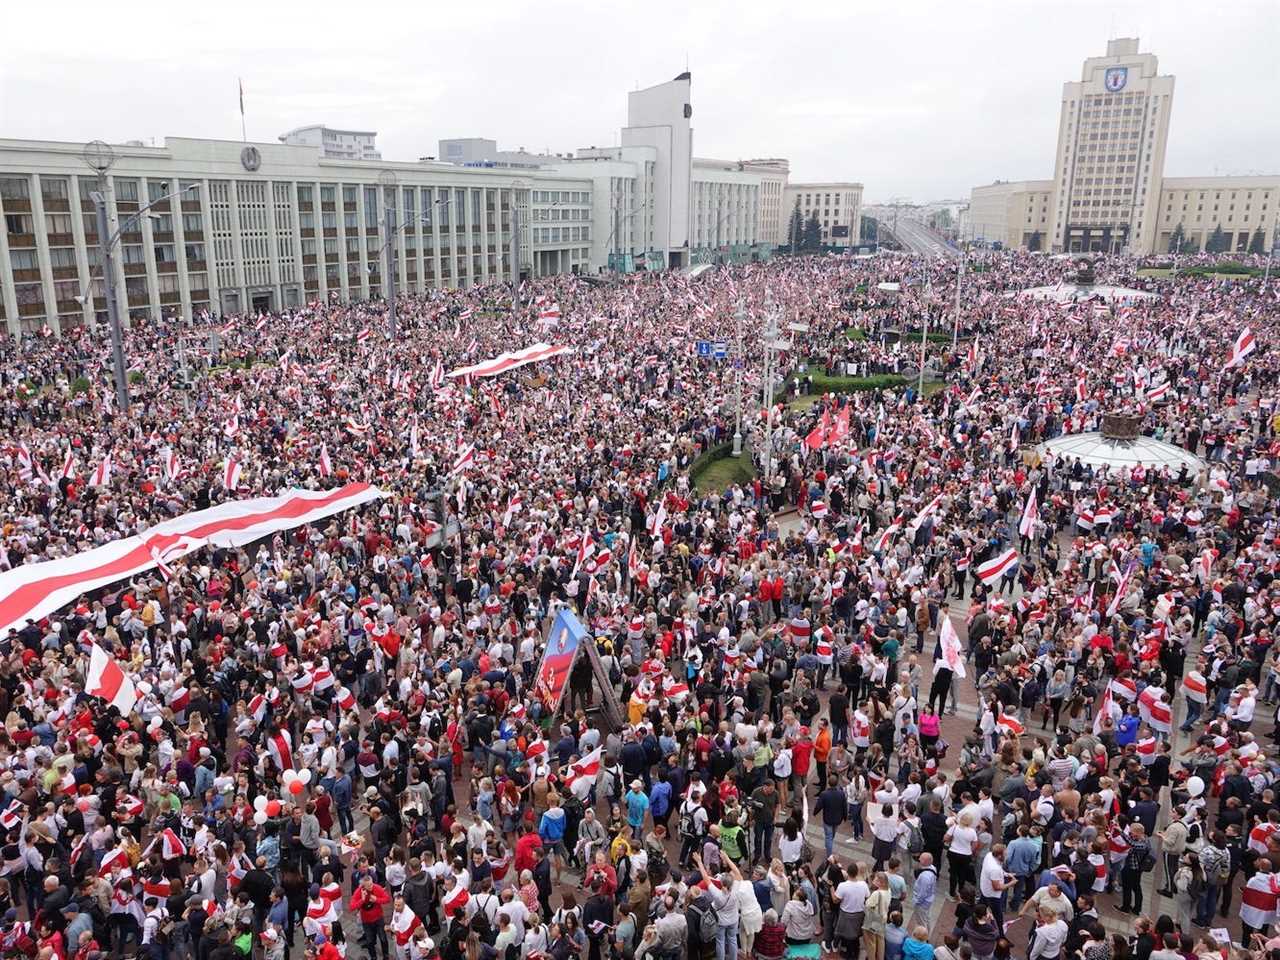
[[1109, 192]]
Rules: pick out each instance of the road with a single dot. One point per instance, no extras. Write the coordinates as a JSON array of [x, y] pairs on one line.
[[912, 232]]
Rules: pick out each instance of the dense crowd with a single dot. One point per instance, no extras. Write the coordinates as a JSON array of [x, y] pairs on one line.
[[339, 744]]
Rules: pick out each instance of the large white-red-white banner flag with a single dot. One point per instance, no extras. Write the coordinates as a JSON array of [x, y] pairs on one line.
[[510, 361], [36, 590]]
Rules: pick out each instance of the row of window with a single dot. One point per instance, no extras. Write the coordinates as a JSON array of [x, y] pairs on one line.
[[557, 234]]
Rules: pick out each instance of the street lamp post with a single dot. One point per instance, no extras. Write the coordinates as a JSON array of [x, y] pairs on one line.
[[1271, 255], [619, 220], [99, 156], [738, 362], [772, 343], [387, 184], [955, 333], [924, 335]]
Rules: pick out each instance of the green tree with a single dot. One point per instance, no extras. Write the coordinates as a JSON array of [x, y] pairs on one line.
[[795, 232], [1177, 239], [1217, 242], [1258, 242], [812, 238]]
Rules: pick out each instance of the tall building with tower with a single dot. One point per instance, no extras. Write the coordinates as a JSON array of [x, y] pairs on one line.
[[1109, 192]]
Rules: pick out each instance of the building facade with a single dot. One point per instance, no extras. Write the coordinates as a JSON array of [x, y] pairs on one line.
[[724, 211], [1010, 215], [335, 144], [263, 226], [838, 207], [773, 174], [1109, 192]]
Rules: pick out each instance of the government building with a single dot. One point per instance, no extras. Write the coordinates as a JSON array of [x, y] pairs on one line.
[[234, 227], [1109, 192]]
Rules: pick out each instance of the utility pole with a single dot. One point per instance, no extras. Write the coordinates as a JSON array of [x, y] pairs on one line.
[[738, 362], [387, 182], [1266, 274], [772, 343], [924, 336], [955, 333], [105, 245]]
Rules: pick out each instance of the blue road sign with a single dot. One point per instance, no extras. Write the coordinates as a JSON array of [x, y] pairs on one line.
[[704, 348], [720, 350]]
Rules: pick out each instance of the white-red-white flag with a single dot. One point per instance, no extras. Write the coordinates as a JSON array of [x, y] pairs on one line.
[[1106, 708], [69, 466], [326, 466], [1009, 724], [171, 464], [1243, 346], [363, 335], [1030, 513], [997, 566], [231, 474], [107, 679], [581, 776], [101, 476], [465, 458], [949, 642]]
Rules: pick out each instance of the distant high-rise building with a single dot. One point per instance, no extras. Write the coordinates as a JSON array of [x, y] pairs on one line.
[[1112, 131], [335, 144], [1109, 192]]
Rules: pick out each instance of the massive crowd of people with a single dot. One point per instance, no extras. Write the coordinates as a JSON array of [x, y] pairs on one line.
[[339, 745]]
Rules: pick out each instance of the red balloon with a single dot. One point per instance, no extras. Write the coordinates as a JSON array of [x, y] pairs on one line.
[[273, 808], [297, 787]]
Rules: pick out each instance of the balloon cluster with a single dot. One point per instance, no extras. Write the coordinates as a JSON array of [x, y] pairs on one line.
[[265, 808]]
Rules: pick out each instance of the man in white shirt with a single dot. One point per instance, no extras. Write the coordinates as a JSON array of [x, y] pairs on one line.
[[1050, 937], [993, 882], [851, 898]]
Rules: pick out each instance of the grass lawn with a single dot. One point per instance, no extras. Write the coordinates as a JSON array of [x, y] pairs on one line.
[[724, 472], [1154, 272], [856, 333]]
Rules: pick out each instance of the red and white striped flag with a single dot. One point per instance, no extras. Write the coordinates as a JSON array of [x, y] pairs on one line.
[[1243, 346], [583, 773], [363, 335], [437, 375], [326, 466], [262, 322], [1030, 513], [169, 461], [1106, 708], [465, 458], [997, 566], [69, 466], [231, 474], [101, 475], [107, 679], [1158, 392], [949, 642], [1009, 724], [25, 469]]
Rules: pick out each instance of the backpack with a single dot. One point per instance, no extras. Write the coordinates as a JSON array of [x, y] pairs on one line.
[[1224, 867], [702, 918], [689, 822], [915, 838]]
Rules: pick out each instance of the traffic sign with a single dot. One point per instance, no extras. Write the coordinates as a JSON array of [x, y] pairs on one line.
[[704, 348], [720, 349]]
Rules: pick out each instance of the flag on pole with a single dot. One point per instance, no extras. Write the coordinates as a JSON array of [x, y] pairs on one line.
[[1105, 708], [997, 566], [1243, 346], [1122, 588], [69, 466], [1030, 513], [107, 679], [1009, 724], [231, 474], [466, 456], [326, 466], [949, 642], [101, 475]]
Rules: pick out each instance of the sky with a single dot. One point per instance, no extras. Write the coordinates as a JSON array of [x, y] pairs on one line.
[[919, 100]]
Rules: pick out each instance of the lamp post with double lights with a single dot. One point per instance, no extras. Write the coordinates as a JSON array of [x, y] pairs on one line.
[[99, 156]]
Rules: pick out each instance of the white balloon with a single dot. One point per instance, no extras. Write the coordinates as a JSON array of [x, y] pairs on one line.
[[1195, 786], [260, 817], [305, 777], [260, 803], [289, 776]]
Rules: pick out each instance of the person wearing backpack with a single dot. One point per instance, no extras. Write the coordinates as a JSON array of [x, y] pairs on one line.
[[1215, 861], [1137, 861], [693, 826], [700, 917], [914, 838]]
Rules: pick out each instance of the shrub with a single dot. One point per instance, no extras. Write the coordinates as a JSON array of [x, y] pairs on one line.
[[79, 385]]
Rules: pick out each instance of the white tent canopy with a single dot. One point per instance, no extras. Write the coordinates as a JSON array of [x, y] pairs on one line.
[[1098, 450], [1069, 292]]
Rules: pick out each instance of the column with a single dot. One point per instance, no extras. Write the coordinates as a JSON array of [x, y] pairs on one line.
[[210, 249], [180, 252], [42, 255], [10, 298], [273, 262], [149, 250], [233, 203], [301, 273]]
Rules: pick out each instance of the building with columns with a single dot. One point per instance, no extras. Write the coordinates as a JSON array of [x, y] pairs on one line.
[[838, 207], [1109, 192]]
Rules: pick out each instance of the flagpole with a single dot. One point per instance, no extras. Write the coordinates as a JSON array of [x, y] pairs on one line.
[[924, 335], [243, 135]]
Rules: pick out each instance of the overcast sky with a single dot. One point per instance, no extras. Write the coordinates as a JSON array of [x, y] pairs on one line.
[[914, 99]]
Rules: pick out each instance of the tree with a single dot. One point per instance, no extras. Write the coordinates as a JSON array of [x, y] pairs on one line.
[[1258, 242], [812, 238], [795, 232], [1177, 239], [1217, 242]]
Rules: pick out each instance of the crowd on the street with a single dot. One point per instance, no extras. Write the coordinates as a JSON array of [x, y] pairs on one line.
[[339, 746]]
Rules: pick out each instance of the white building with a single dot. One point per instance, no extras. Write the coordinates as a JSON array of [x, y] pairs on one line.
[[838, 207], [335, 144], [724, 212], [773, 175], [659, 117], [264, 226], [1109, 192]]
